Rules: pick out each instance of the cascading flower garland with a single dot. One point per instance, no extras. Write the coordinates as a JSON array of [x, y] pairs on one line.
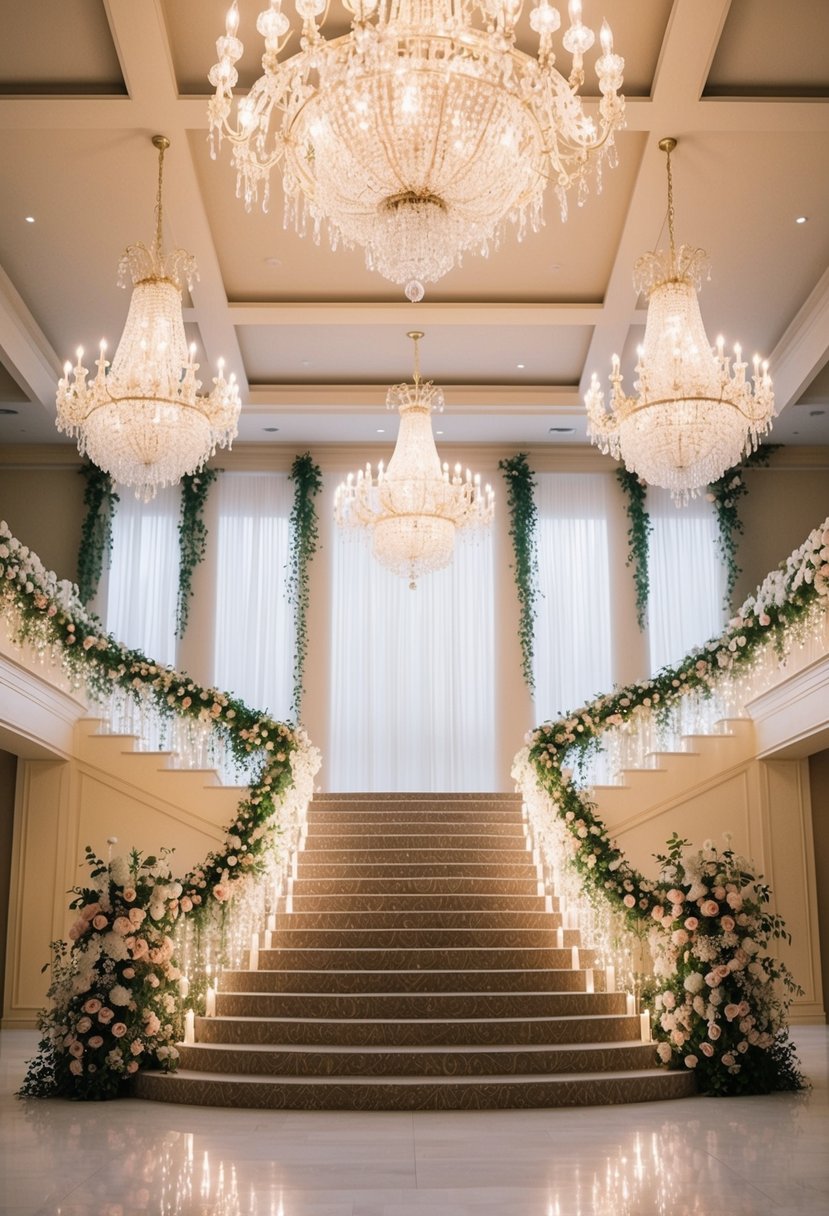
[[307, 478], [639, 530], [48, 615], [725, 494], [100, 501], [192, 538], [787, 596], [520, 481]]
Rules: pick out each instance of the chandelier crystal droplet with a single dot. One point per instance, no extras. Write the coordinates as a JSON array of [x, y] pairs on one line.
[[414, 507], [695, 414], [141, 419], [421, 134]]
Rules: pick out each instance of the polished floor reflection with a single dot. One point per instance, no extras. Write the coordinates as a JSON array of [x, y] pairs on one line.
[[697, 1157]]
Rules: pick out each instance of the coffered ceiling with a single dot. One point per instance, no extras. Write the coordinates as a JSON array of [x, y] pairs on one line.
[[312, 335]]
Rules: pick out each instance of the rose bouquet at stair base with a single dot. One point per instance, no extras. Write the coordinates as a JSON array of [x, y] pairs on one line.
[[114, 997], [722, 1000]]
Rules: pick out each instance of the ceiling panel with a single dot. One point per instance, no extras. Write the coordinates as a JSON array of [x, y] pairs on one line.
[[49, 46], [771, 49]]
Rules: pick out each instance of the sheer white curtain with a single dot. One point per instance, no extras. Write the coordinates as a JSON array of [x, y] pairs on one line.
[[687, 577], [573, 643], [254, 646], [143, 574], [412, 674]]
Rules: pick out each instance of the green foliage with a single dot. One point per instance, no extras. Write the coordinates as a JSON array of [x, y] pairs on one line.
[[192, 538], [96, 531], [725, 493], [523, 522], [307, 479], [635, 491]]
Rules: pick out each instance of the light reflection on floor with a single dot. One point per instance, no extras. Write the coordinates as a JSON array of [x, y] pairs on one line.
[[698, 1157]]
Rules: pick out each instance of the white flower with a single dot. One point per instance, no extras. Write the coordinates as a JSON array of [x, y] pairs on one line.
[[695, 982], [119, 995]]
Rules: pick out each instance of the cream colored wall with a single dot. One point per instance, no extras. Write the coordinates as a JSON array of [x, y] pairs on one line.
[[8, 781], [44, 508], [819, 793]]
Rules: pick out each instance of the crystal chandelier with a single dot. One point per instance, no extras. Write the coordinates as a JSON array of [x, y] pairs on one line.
[[414, 507], [695, 414], [141, 419], [423, 131]]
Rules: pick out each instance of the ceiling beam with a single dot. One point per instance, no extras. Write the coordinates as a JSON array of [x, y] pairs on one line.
[[358, 398], [803, 350], [27, 352], [398, 314]]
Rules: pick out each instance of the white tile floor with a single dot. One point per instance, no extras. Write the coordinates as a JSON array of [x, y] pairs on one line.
[[699, 1157]]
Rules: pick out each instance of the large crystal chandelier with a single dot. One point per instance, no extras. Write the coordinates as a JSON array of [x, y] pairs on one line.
[[141, 419], [421, 132], [695, 414], [414, 507]]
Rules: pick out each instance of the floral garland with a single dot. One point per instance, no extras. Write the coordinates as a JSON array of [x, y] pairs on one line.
[[725, 494], [785, 599], [307, 478], [635, 491], [521, 482], [192, 538], [47, 614], [100, 501]]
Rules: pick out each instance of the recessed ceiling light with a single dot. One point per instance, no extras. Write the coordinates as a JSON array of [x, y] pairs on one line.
[[562, 430], [30, 219], [520, 365], [306, 362], [801, 219], [438, 432], [270, 429], [381, 430], [8, 411]]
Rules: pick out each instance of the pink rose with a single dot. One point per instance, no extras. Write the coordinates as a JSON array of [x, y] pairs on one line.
[[706, 1049], [676, 896], [221, 892], [92, 1005], [96, 1041], [130, 894], [140, 949], [732, 1012], [99, 922], [128, 973], [76, 1049], [122, 925], [714, 1032], [106, 1016], [657, 912], [709, 907], [90, 910], [132, 1066], [691, 1061], [629, 901], [734, 900], [137, 915], [83, 1025], [186, 904], [136, 1047], [691, 923], [727, 923], [119, 1030], [76, 1068], [679, 937]]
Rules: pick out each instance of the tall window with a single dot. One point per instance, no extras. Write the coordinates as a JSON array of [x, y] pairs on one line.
[[687, 577], [573, 647], [143, 574], [412, 674], [254, 647]]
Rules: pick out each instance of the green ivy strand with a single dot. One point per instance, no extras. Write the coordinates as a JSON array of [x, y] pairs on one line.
[[639, 531], [192, 538], [521, 483], [725, 493], [307, 478], [100, 501]]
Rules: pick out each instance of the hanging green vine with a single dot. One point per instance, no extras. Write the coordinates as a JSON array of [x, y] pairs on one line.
[[192, 538], [635, 491], [523, 521], [725, 494], [307, 479], [100, 500]]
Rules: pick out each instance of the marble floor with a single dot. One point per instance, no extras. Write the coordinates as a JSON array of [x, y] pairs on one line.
[[697, 1157]]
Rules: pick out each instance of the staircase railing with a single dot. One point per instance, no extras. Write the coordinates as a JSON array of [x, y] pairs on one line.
[[134, 915], [718, 999]]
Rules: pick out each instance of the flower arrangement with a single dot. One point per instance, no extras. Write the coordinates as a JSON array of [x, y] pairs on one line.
[[787, 599], [115, 1004], [47, 614]]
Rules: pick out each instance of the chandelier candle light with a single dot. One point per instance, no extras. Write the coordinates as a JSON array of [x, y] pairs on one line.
[[141, 419], [414, 507], [421, 132], [695, 414]]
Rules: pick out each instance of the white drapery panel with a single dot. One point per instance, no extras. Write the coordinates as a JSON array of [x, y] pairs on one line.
[[573, 641], [254, 641], [143, 573], [412, 674], [687, 577]]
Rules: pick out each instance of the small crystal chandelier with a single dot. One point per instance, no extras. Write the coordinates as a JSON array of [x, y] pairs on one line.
[[142, 420], [695, 415], [423, 131], [414, 507]]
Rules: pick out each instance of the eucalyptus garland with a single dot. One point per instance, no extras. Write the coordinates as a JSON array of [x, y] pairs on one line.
[[100, 500], [307, 478], [192, 538], [725, 493], [523, 523], [635, 491]]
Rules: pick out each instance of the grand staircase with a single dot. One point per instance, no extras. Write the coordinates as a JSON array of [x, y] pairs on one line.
[[417, 964]]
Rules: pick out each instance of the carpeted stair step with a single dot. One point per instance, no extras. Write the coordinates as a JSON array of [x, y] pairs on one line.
[[426, 843], [392, 1005], [420, 1032], [428, 886], [302, 1061], [371, 921], [551, 980], [471, 958], [308, 866], [462, 823], [472, 855], [415, 1093], [411, 939], [412, 903]]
